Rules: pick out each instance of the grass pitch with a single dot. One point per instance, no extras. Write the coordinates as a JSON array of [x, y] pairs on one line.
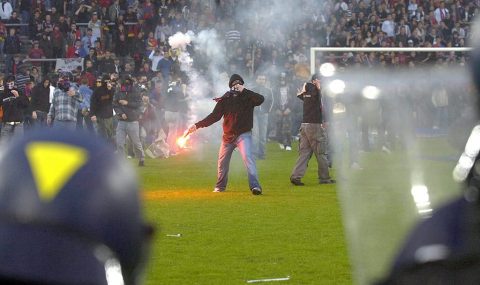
[[233, 237]]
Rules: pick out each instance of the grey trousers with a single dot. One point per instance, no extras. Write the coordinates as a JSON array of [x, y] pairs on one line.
[[132, 129], [313, 140]]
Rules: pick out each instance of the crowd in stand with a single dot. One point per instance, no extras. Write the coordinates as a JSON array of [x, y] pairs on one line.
[[120, 39]]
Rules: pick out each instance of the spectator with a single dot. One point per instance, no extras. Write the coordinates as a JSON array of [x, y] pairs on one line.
[[3, 35], [92, 57], [88, 41], [36, 53], [25, 11], [76, 51], [107, 63], [83, 13], [13, 103], [65, 104], [114, 11], [11, 47], [388, 26], [73, 34], [95, 25], [35, 25], [83, 115], [58, 43], [46, 45], [14, 22], [162, 30], [47, 24], [101, 109], [40, 103], [127, 104], [261, 116], [5, 10]]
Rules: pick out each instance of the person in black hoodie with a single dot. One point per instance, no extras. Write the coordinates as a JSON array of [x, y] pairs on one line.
[[101, 108], [13, 103], [236, 107], [127, 104], [40, 103], [313, 135]]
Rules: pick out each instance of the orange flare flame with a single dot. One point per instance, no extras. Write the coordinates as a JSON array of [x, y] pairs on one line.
[[182, 141]]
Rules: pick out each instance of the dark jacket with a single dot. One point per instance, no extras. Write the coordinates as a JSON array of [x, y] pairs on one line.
[[101, 103], [312, 104], [133, 109], [13, 107], [40, 98], [237, 112]]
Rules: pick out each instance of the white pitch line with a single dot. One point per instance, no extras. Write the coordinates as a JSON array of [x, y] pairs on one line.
[[175, 235], [269, 280]]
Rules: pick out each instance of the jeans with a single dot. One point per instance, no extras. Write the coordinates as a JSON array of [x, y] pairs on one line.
[[70, 125], [244, 144], [132, 129]]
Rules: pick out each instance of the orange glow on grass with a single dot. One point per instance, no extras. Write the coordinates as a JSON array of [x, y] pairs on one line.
[[189, 194]]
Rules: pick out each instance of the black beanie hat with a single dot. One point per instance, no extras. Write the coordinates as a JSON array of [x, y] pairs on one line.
[[234, 80]]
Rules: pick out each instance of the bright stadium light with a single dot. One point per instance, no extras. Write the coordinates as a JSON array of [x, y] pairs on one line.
[[327, 69], [371, 92], [336, 87]]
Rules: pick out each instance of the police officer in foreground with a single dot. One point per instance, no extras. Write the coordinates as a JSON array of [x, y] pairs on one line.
[[70, 212]]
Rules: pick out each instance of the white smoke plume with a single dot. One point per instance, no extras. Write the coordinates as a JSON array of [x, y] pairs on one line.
[[203, 85]]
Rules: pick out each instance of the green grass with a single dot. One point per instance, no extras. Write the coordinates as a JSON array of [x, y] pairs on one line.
[[379, 208], [232, 237], [301, 232]]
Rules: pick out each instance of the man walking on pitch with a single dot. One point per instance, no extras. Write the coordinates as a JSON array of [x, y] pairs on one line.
[[313, 136], [236, 107]]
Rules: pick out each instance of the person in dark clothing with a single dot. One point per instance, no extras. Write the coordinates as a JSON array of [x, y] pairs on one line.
[[40, 103], [236, 107], [313, 136], [107, 64], [13, 103], [127, 104], [11, 47], [101, 108]]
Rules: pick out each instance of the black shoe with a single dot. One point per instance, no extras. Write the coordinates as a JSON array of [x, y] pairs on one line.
[[297, 182], [141, 163], [330, 181], [256, 191]]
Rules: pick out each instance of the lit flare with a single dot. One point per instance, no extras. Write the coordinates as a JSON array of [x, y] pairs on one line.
[[182, 141]]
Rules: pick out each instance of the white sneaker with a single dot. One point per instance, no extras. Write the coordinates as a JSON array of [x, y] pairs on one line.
[[281, 146], [288, 148], [218, 190]]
